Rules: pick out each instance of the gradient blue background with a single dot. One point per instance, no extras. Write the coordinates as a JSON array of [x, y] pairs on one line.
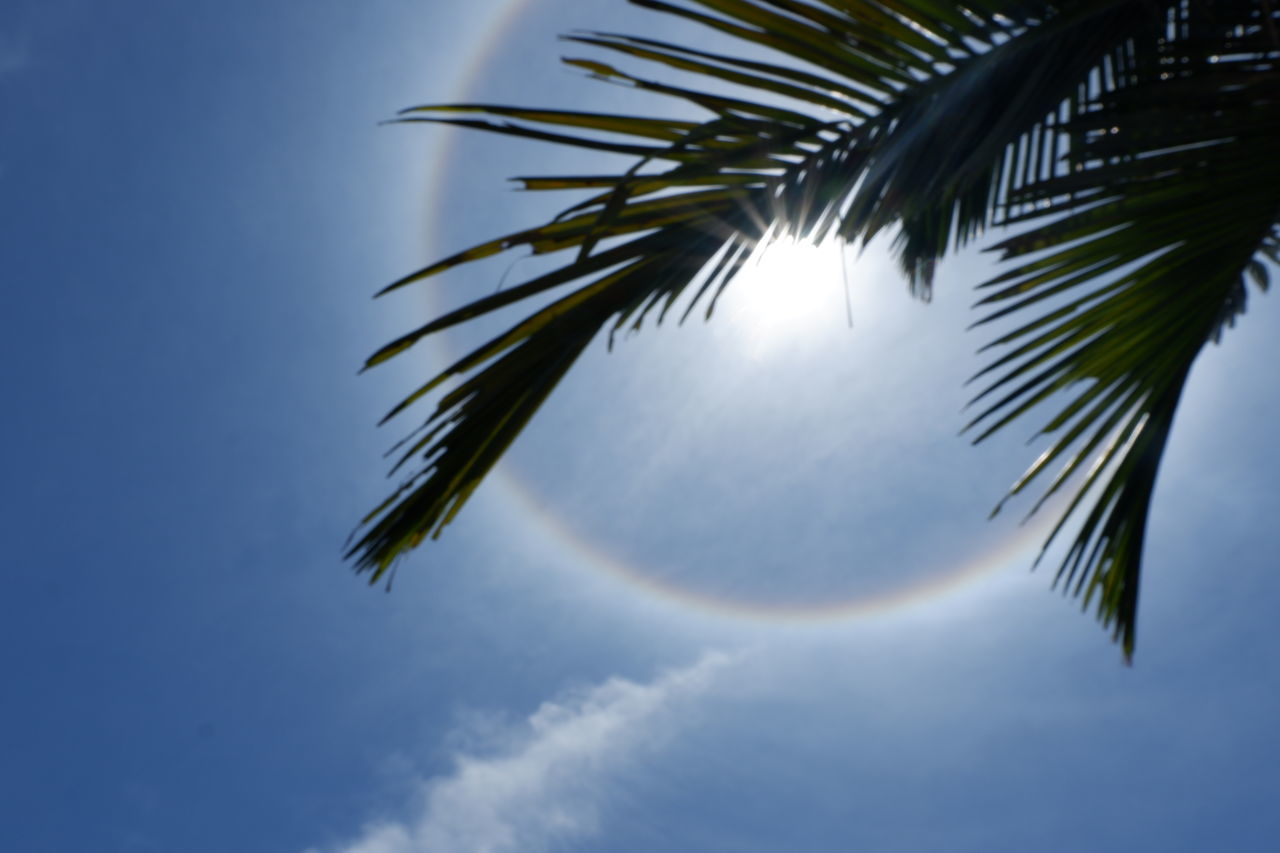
[[195, 203]]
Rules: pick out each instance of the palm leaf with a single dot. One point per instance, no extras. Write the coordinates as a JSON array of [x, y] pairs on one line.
[[1128, 146]]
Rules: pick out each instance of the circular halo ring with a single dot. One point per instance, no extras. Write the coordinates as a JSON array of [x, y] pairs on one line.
[[592, 556]]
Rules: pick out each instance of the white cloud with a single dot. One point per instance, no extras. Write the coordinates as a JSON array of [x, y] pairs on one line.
[[548, 781]]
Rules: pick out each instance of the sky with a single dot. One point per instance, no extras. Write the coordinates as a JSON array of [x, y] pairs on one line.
[[734, 589]]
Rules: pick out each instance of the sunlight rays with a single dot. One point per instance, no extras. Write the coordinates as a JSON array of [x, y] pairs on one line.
[[790, 289]]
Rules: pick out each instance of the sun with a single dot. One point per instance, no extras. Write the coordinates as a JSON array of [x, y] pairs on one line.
[[787, 289]]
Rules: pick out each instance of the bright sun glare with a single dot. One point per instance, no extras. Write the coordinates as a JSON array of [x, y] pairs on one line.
[[789, 287]]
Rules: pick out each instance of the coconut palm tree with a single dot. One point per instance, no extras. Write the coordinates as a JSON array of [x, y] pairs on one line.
[[1126, 153]]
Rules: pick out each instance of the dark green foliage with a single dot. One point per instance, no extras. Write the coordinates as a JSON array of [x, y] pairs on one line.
[[1129, 149]]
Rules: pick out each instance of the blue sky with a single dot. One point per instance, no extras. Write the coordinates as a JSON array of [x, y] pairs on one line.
[[196, 202]]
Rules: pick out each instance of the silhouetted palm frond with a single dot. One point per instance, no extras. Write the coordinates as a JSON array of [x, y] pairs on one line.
[[1127, 148]]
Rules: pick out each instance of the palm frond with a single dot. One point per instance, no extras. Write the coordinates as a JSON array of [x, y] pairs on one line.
[[1128, 144], [1183, 198]]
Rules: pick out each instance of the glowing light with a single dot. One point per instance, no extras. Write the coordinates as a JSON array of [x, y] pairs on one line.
[[788, 288]]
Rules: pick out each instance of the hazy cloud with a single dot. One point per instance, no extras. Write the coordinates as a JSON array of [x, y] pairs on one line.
[[547, 781]]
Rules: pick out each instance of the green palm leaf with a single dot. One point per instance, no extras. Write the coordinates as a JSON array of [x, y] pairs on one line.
[[1126, 148]]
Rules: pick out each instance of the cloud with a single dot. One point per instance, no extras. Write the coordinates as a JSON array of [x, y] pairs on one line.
[[548, 780]]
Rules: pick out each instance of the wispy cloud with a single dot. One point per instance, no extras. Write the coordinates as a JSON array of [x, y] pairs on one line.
[[547, 782]]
